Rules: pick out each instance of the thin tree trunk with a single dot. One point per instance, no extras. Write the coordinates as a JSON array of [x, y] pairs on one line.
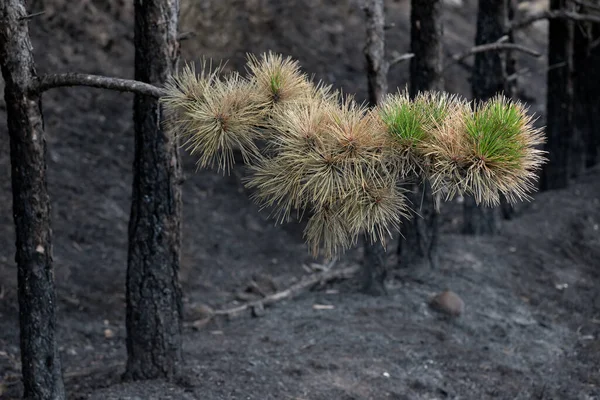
[[587, 86], [377, 66], [426, 29], [419, 238], [40, 361], [488, 80], [559, 104], [511, 90], [154, 305], [374, 269]]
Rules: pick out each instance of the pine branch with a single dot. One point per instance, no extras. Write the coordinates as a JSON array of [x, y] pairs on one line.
[[554, 14], [50, 81]]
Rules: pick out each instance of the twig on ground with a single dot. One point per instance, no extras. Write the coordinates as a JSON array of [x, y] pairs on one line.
[[292, 291], [82, 372], [50, 81]]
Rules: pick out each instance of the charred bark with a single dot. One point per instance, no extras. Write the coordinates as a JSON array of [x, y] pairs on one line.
[[377, 66], [488, 80], [374, 269], [559, 104], [40, 361], [586, 62], [418, 242], [154, 304], [426, 29], [511, 90]]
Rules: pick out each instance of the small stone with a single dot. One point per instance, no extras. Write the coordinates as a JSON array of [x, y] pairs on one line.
[[448, 302], [108, 333]]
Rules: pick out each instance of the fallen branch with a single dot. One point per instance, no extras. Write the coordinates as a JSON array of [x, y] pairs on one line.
[[554, 14], [292, 291], [51, 81], [86, 372], [495, 46]]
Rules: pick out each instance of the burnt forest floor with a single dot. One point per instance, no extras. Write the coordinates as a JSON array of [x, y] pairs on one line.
[[532, 318]]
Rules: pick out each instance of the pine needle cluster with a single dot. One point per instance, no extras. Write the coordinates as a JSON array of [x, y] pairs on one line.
[[485, 152], [321, 153]]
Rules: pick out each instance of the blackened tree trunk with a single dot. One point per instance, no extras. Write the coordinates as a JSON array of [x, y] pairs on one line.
[[511, 85], [586, 108], [377, 66], [374, 269], [154, 305], [511, 89], [40, 362], [559, 103], [426, 28], [488, 80]]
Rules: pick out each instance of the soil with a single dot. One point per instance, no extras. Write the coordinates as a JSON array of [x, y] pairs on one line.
[[531, 323]]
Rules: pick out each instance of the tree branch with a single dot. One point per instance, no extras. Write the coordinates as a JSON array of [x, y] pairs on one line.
[[292, 291], [587, 4], [51, 81], [30, 16], [400, 58], [554, 14], [496, 46]]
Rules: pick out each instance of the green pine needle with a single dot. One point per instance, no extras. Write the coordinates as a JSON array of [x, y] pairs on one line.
[[494, 129]]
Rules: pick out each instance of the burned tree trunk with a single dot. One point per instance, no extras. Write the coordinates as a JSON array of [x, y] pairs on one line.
[[420, 234], [511, 89], [377, 66], [559, 104], [40, 362], [154, 304], [586, 63], [488, 80], [426, 29], [374, 269]]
